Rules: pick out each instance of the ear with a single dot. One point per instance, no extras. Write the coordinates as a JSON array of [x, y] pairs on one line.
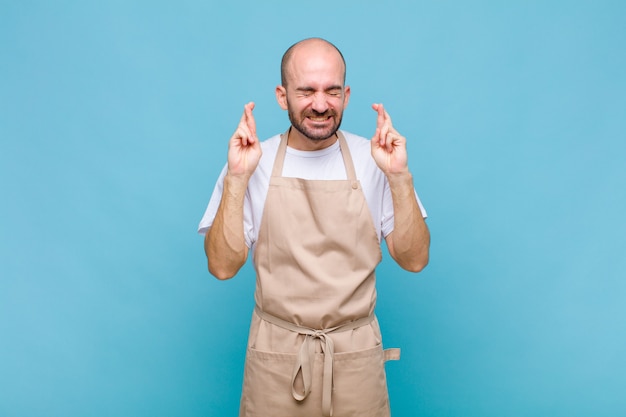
[[346, 96], [281, 97]]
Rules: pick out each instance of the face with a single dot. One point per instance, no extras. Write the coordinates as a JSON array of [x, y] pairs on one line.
[[315, 96]]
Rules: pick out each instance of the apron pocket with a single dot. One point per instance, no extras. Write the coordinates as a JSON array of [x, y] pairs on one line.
[[360, 384], [267, 386]]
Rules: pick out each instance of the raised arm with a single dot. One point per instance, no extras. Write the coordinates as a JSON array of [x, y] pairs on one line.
[[224, 242], [409, 241]]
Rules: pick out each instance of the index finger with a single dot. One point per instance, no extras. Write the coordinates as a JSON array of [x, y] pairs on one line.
[[380, 110], [249, 118]]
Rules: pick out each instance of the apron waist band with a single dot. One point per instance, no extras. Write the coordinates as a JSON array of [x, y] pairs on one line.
[[351, 325], [306, 355]]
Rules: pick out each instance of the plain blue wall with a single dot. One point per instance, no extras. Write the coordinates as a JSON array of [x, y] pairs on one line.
[[114, 121]]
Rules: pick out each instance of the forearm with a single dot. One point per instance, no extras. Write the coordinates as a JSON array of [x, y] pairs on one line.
[[410, 240], [224, 243]]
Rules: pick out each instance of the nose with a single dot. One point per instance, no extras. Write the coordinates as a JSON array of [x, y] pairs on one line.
[[319, 104]]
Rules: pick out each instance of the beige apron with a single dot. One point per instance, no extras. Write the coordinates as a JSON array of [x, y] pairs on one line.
[[315, 347]]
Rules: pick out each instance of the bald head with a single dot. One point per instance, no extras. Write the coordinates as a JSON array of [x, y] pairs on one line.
[[305, 48]]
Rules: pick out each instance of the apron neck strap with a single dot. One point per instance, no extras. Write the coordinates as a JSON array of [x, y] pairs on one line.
[[277, 170]]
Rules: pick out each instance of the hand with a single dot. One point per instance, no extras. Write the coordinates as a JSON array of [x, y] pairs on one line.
[[388, 146], [244, 149]]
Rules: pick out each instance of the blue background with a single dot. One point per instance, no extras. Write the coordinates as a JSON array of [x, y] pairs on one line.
[[114, 121]]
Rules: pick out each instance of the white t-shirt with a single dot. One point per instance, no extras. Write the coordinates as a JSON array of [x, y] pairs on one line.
[[325, 164]]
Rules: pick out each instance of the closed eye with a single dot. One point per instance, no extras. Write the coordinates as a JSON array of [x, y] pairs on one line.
[[335, 92], [305, 92]]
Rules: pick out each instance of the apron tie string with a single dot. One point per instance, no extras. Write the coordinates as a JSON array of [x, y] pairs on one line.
[[306, 355]]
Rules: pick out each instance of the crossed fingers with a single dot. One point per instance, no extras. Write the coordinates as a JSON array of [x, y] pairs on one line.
[[246, 131], [385, 135]]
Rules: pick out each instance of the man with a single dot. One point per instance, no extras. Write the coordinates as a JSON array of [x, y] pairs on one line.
[[313, 205]]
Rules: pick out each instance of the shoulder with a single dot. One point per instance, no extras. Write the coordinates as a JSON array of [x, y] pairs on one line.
[[269, 147], [356, 141], [271, 144], [361, 150]]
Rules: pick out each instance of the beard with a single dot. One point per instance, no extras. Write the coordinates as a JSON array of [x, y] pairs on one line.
[[315, 134]]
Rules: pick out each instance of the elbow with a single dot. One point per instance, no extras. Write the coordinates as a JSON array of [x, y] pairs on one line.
[[419, 259], [220, 272], [420, 267], [222, 264], [222, 268], [414, 263]]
